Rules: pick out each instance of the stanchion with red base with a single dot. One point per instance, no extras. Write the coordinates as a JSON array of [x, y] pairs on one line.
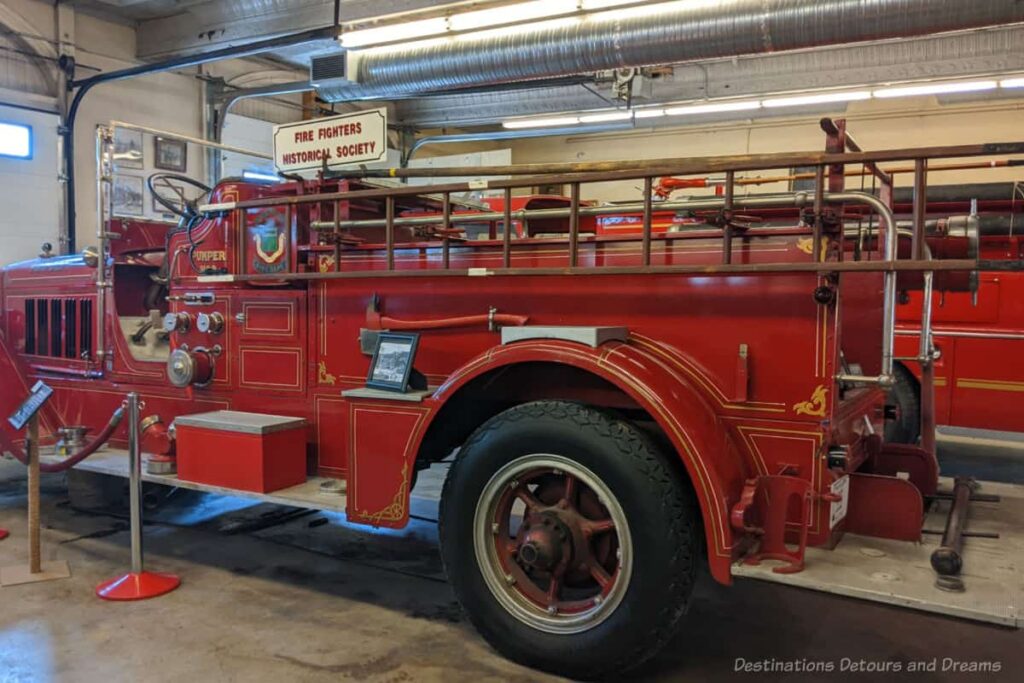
[[138, 584]]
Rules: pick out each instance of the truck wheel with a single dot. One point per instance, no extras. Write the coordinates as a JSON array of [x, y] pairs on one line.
[[569, 539], [907, 425]]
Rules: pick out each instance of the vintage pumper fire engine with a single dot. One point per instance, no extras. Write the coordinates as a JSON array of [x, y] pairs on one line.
[[623, 407]]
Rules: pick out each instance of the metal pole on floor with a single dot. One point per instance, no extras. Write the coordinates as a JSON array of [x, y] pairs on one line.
[[37, 570], [138, 584]]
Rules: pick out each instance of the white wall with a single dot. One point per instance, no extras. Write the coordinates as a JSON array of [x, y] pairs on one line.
[[29, 189], [877, 125]]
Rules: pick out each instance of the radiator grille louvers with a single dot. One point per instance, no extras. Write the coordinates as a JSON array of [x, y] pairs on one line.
[[59, 328]]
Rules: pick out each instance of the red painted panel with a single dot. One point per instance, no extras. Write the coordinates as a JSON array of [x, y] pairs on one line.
[[248, 462], [332, 428], [383, 439]]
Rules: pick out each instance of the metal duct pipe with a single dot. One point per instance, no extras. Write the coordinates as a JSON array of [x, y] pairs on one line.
[[664, 34]]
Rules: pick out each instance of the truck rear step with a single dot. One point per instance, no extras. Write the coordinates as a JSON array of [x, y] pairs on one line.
[[900, 573]]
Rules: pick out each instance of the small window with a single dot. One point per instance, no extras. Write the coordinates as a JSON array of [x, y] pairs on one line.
[[15, 140]]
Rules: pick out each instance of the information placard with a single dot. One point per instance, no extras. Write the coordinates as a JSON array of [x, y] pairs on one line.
[[337, 141], [39, 395]]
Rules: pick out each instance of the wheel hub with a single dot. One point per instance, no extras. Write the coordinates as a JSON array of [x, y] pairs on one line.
[[546, 542]]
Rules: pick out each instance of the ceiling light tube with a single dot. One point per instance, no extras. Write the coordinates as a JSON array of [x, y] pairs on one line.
[[647, 113], [588, 5], [541, 123], [261, 176], [394, 32], [713, 108], [936, 89], [823, 98], [517, 13], [607, 116], [1012, 83]]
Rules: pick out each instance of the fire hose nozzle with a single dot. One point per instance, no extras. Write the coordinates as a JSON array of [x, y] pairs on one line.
[[118, 415]]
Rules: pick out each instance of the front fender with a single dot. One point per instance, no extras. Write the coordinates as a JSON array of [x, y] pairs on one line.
[[711, 459]]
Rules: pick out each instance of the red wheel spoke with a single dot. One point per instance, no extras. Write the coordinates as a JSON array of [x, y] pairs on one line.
[[531, 502], [512, 547], [593, 528], [553, 590], [570, 490], [601, 576]]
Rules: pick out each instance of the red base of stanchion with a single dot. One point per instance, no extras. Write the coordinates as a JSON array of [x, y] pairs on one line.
[[137, 586], [3, 534]]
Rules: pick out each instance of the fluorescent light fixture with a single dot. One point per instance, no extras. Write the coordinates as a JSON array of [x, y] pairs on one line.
[[588, 5], [713, 108], [394, 32], [15, 140], [518, 13], [541, 123], [936, 89], [823, 98], [1012, 83], [607, 116], [647, 113], [261, 176]]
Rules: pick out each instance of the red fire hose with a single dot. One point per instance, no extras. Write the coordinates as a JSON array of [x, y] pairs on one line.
[[7, 444]]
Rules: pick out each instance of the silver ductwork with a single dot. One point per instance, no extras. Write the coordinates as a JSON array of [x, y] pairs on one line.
[[665, 33]]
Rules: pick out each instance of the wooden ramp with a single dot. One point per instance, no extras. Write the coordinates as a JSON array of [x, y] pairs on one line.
[[900, 573]]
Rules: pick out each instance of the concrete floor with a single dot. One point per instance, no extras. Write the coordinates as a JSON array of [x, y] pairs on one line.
[[295, 602]]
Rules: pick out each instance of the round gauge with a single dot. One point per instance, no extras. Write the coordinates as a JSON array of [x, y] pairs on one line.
[[177, 322], [211, 323]]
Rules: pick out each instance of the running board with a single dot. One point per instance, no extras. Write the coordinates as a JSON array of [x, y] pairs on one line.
[[114, 461], [900, 572]]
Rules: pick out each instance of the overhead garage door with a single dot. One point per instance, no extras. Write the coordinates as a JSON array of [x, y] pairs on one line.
[[29, 191]]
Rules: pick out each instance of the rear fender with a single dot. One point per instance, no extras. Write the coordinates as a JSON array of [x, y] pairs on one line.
[[712, 461]]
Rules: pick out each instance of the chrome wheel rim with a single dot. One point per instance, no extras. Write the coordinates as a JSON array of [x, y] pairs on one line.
[[552, 543]]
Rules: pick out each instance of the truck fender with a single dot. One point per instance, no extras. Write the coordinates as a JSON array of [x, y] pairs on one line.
[[713, 463], [16, 383]]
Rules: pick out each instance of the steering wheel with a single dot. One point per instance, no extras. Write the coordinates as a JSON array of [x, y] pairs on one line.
[[183, 202]]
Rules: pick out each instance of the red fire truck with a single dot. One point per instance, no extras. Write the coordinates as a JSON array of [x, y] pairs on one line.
[[975, 332], [624, 408]]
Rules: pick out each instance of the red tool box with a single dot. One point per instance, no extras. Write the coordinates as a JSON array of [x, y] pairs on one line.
[[247, 451]]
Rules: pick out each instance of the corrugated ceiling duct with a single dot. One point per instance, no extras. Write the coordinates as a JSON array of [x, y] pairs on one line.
[[668, 33]]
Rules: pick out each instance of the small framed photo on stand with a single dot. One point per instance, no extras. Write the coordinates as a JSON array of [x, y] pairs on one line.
[[391, 368]]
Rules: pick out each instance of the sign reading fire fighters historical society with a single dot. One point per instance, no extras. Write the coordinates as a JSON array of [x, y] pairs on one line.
[[357, 138]]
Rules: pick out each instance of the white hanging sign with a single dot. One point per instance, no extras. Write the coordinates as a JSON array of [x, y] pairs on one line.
[[357, 138]]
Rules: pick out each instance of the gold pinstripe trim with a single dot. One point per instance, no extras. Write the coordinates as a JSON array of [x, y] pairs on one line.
[[682, 364], [990, 384]]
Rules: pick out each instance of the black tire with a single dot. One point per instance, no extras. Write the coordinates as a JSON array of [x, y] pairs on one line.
[[657, 504], [906, 428]]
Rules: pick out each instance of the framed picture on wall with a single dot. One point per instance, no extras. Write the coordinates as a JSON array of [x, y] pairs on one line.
[[170, 155], [128, 193], [128, 148]]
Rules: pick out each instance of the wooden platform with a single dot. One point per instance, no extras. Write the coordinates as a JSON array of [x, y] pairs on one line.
[[900, 573]]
